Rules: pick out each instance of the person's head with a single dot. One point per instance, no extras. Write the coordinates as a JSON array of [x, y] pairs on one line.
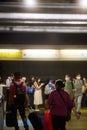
[[47, 80], [23, 79], [32, 78], [39, 79], [67, 77], [11, 76], [59, 84], [78, 76], [17, 75]]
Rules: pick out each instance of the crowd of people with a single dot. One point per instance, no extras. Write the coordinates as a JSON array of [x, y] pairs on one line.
[[38, 92]]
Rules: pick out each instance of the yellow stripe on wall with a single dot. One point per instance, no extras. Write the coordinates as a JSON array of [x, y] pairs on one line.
[[10, 54]]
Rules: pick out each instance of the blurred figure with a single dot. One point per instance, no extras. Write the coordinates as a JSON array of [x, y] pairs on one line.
[[1, 81], [84, 91], [58, 108], [30, 92], [2, 85], [38, 93], [23, 79], [9, 80], [17, 99], [78, 83], [49, 87], [69, 86]]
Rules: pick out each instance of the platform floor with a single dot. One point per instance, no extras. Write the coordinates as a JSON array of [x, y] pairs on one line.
[[74, 124]]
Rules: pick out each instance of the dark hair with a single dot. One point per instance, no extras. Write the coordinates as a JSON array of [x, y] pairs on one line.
[[59, 83], [17, 75]]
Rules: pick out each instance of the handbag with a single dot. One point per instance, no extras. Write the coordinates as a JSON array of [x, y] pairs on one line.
[[47, 121], [68, 117]]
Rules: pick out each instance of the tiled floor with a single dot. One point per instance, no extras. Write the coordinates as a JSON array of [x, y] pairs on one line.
[[80, 124], [74, 124]]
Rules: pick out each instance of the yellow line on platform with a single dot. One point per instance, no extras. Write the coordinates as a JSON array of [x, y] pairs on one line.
[[84, 110]]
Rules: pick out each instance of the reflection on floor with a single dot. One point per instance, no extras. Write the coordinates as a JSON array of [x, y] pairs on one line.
[[74, 124]]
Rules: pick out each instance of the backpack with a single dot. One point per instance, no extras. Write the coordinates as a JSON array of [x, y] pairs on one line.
[[20, 94]]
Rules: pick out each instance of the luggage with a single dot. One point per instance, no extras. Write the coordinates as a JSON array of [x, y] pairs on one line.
[[37, 118], [10, 119], [47, 121]]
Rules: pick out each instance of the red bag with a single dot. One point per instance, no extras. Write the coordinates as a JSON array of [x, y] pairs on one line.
[[47, 121]]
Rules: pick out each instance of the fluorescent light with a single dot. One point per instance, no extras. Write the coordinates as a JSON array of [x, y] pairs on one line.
[[71, 53], [43, 16], [83, 3], [9, 50], [39, 53], [30, 3]]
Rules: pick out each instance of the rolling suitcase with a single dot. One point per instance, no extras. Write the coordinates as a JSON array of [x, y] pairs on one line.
[[10, 119], [37, 118]]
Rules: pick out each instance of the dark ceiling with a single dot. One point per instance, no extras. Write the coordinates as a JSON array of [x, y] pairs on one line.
[[32, 38]]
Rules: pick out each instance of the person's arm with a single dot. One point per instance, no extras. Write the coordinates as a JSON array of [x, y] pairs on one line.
[[26, 95], [38, 86]]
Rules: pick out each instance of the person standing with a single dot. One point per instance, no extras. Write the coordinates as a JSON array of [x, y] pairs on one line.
[[69, 86], [38, 94], [17, 99], [49, 87], [58, 108], [30, 92], [9, 80], [78, 83]]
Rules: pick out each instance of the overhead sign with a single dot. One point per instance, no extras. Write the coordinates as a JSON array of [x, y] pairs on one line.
[[73, 54], [43, 54], [5, 53]]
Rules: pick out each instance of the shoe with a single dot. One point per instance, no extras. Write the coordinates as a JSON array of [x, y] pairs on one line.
[[79, 113]]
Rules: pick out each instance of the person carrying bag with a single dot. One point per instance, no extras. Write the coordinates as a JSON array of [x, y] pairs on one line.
[[68, 108], [58, 108]]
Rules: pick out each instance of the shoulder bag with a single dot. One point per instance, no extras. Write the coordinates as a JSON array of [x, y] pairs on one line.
[[68, 117]]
